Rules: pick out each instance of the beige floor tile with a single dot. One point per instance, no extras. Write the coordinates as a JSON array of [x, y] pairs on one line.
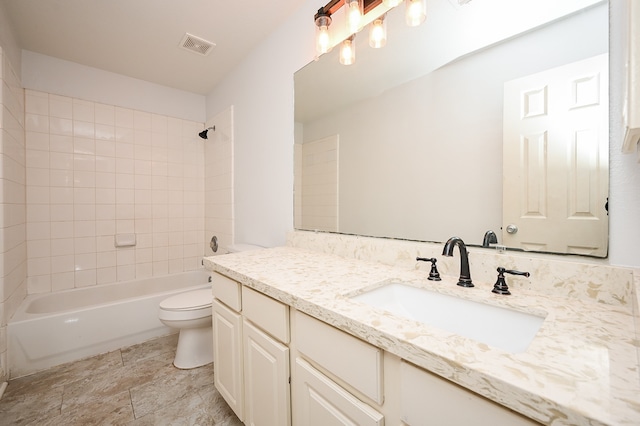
[[161, 346], [133, 386]]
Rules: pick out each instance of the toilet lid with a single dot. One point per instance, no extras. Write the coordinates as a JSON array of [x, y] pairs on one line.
[[189, 300]]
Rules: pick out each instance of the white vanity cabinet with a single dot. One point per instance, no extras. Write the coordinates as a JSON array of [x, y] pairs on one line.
[[251, 357], [325, 356]]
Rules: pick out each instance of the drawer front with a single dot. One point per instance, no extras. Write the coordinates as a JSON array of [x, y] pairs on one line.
[[267, 313], [356, 362], [227, 291], [424, 395], [320, 402]]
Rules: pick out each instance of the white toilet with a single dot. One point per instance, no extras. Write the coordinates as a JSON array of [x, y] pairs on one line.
[[190, 312]]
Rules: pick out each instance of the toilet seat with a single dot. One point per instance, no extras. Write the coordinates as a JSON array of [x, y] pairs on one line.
[[188, 301]]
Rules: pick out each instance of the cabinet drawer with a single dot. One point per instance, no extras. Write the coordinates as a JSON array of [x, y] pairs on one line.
[[427, 399], [358, 363], [226, 290], [321, 402], [267, 313]]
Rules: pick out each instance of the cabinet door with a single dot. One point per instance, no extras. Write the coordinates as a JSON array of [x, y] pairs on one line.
[[318, 401], [266, 379], [227, 355]]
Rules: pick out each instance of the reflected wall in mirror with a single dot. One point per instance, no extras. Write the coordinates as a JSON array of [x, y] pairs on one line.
[[408, 142]]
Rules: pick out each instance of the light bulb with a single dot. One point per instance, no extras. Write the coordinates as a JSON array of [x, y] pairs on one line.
[[348, 52], [378, 33], [353, 9], [416, 12], [391, 3], [323, 39]]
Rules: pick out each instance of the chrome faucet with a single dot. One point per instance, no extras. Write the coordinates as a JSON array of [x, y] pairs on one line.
[[465, 275]]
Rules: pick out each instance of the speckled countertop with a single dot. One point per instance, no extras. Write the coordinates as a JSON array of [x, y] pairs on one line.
[[580, 369]]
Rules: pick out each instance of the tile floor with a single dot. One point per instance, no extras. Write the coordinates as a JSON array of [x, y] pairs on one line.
[[134, 386]]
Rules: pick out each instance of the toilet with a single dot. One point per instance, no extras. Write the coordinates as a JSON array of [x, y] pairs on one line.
[[190, 312]]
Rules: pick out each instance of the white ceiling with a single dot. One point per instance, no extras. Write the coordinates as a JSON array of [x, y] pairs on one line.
[[141, 38]]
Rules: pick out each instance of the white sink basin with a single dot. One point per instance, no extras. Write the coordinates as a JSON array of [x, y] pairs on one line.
[[499, 327]]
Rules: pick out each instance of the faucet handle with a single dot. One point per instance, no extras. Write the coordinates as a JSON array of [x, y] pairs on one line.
[[434, 275], [500, 287]]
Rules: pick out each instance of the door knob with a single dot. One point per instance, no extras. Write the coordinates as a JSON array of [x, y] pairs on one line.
[[512, 229]]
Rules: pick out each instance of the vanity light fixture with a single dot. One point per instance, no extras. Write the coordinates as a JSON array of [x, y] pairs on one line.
[[348, 51], [416, 13], [378, 32]]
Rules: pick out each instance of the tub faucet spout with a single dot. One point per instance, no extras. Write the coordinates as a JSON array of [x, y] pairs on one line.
[[465, 275]]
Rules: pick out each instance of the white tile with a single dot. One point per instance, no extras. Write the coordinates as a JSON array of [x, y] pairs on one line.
[[62, 263], [125, 165], [176, 266], [126, 272], [61, 161], [125, 150], [61, 178], [37, 123], [61, 126], [84, 129], [125, 196], [144, 270], [142, 137], [84, 212], [84, 228], [61, 195], [36, 231], [38, 248], [84, 179], [126, 256], [38, 159], [38, 141], [62, 246], [37, 177], [84, 195], [60, 106], [85, 245], [125, 211], [39, 284], [142, 120], [106, 259], [85, 278], [105, 133], [84, 262], [105, 196], [38, 266], [125, 226], [62, 281], [124, 117], [160, 268], [105, 164], [83, 110], [105, 227], [106, 275], [36, 104], [62, 229], [124, 135], [61, 143], [61, 212], [125, 181], [106, 211], [105, 114], [84, 145], [84, 162]]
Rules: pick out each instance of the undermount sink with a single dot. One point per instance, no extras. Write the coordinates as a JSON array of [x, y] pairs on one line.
[[502, 328]]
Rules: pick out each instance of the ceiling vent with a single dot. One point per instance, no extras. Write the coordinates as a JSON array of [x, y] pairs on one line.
[[197, 44]]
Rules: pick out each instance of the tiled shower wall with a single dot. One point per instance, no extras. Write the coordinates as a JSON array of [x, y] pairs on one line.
[[13, 259], [95, 171]]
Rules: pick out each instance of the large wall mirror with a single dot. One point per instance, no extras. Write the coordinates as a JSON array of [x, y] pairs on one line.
[[489, 116]]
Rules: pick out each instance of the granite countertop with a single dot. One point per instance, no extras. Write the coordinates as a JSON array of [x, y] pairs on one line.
[[580, 369]]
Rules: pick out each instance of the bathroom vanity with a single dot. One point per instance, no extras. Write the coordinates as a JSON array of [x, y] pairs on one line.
[[285, 325]]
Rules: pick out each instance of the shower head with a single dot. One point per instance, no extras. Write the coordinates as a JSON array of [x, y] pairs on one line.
[[203, 134]]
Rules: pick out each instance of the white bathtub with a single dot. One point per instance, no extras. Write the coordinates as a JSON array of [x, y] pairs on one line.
[[55, 328]]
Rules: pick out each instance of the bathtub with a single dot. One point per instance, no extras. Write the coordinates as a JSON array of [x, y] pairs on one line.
[[54, 328]]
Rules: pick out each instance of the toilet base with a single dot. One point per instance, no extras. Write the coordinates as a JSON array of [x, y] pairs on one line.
[[195, 348]]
